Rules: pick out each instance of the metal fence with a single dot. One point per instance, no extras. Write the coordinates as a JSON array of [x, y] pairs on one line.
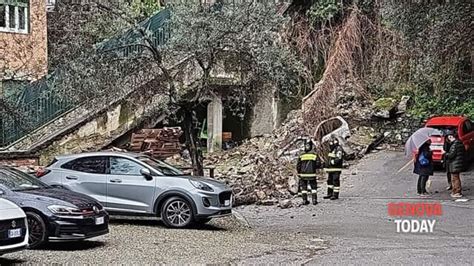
[[31, 112], [39, 104]]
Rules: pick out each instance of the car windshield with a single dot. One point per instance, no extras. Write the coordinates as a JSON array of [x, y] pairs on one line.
[[160, 166], [443, 128], [19, 181]]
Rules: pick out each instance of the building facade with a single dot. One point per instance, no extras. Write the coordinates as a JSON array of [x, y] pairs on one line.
[[23, 40]]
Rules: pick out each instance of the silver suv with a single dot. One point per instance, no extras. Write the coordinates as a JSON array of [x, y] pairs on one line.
[[134, 184]]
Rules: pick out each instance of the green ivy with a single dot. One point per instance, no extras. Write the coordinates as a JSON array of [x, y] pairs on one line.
[[426, 105], [435, 68], [144, 8], [324, 10]]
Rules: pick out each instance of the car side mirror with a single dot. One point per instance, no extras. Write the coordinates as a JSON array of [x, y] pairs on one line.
[[146, 173]]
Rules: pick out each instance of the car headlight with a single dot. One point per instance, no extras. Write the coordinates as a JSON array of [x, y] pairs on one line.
[[201, 185], [64, 210]]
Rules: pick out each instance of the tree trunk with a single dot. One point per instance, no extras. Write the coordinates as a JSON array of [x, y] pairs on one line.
[[192, 143]]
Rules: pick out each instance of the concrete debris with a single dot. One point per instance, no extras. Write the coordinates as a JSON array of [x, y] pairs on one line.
[[262, 170], [269, 202], [293, 184], [404, 104], [316, 248], [285, 204], [318, 241], [255, 171]]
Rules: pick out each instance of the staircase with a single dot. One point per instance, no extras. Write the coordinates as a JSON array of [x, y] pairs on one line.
[[57, 126], [43, 115]]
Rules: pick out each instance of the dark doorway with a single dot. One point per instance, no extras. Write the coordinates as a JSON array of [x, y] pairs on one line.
[[237, 123]]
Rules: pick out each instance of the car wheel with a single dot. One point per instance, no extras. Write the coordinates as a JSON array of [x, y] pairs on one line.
[[37, 230], [177, 212]]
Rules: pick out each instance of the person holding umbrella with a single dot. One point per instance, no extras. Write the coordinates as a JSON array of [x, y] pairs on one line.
[[419, 145], [423, 167]]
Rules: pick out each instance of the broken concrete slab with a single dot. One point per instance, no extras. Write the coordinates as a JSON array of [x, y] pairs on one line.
[[404, 104]]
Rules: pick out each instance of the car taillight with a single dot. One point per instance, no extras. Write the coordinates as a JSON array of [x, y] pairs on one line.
[[42, 172]]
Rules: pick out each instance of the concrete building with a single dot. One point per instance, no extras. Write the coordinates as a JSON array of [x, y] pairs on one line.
[[23, 42]]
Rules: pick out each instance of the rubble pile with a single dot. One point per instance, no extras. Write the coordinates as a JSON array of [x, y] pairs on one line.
[[255, 171], [259, 174], [386, 118]]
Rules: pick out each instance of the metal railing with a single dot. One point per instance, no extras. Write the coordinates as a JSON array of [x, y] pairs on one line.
[[39, 104], [31, 113]]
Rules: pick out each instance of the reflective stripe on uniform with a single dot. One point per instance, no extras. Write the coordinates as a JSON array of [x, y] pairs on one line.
[[332, 155], [330, 186], [328, 170], [308, 157], [314, 191], [336, 189], [307, 175], [304, 192]]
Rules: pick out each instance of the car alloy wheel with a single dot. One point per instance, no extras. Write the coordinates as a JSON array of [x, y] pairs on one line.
[[37, 230], [177, 212]]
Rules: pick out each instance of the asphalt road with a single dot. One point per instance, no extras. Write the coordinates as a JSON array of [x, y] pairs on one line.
[[353, 230], [358, 230]]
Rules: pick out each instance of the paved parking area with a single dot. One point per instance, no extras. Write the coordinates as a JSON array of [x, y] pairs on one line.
[[148, 241]]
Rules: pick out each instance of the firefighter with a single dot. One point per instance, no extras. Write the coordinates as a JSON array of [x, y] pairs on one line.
[[334, 168], [308, 163]]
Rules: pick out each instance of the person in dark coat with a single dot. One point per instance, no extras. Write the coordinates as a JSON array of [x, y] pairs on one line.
[[446, 147], [423, 167], [455, 160]]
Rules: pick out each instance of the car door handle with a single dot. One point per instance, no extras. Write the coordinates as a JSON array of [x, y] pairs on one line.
[[115, 181], [71, 177]]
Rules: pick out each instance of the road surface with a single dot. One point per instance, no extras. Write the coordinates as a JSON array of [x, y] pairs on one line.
[[353, 230], [358, 230]]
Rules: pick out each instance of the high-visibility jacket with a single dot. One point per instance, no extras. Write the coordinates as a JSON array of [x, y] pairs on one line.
[[307, 165], [335, 160]]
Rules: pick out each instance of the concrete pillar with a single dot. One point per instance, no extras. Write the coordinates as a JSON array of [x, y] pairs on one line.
[[265, 114], [214, 124]]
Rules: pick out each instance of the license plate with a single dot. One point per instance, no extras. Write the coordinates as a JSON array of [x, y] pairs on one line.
[[14, 233], [227, 203], [99, 220]]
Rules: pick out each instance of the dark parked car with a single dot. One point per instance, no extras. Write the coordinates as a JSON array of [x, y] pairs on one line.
[[53, 214]]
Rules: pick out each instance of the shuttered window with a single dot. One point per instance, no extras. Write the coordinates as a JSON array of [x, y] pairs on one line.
[[14, 16]]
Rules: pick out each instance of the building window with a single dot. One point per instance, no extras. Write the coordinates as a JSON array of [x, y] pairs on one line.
[[14, 16], [50, 4]]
